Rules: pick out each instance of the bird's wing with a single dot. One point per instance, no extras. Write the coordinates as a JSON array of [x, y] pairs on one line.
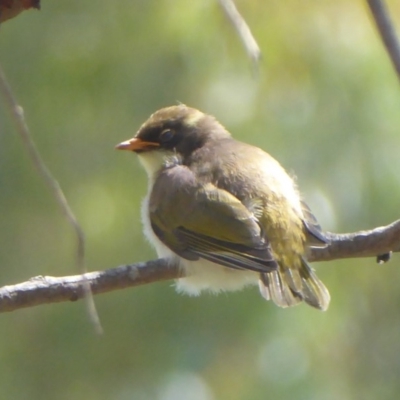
[[315, 235], [203, 221]]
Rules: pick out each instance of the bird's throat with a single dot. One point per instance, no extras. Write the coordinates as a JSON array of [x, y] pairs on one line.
[[153, 162]]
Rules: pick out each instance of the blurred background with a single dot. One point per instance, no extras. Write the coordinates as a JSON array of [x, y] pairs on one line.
[[325, 103]]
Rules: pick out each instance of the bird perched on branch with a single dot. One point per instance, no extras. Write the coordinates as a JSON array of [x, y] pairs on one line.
[[225, 211]]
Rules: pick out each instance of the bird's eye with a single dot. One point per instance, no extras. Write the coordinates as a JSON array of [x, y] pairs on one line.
[[166, 135]]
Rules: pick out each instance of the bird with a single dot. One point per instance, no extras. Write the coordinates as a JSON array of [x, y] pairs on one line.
[[226, 212]]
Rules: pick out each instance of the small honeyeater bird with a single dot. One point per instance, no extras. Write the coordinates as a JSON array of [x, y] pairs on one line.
[[225, 211]]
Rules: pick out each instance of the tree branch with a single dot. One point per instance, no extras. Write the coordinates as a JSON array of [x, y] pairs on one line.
[[375, 242], [386, 30], [47, 289]]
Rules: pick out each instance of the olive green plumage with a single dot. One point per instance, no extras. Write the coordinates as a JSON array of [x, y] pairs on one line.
[[220, 206]]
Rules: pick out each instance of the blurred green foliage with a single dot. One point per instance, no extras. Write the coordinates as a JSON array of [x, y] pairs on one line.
[[325, 103]]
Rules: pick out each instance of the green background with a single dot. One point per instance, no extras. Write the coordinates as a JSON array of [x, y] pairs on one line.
[[325, 103]]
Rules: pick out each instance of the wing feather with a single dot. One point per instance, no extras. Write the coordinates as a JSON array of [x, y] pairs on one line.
[[196, 220], [315, 235]]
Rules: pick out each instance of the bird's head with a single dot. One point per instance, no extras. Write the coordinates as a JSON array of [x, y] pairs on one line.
[[172, 132]]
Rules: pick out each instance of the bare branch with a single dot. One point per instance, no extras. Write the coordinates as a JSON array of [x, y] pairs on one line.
[[375, 242], [47, 289], [386, 30], [43, 290]]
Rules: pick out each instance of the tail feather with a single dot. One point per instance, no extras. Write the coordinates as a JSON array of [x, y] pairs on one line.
[[273, 287], [293, 279], [314, 291], [289, 287]]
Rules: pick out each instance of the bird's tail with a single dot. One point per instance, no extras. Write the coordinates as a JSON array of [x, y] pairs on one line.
[[287, 287]]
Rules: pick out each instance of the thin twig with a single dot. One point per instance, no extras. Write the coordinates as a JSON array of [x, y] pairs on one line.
[[387, 31], [45, 290], [242, 29], [22, 128]]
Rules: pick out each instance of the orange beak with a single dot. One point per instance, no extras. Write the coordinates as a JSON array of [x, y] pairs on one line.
[[135, 144]]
